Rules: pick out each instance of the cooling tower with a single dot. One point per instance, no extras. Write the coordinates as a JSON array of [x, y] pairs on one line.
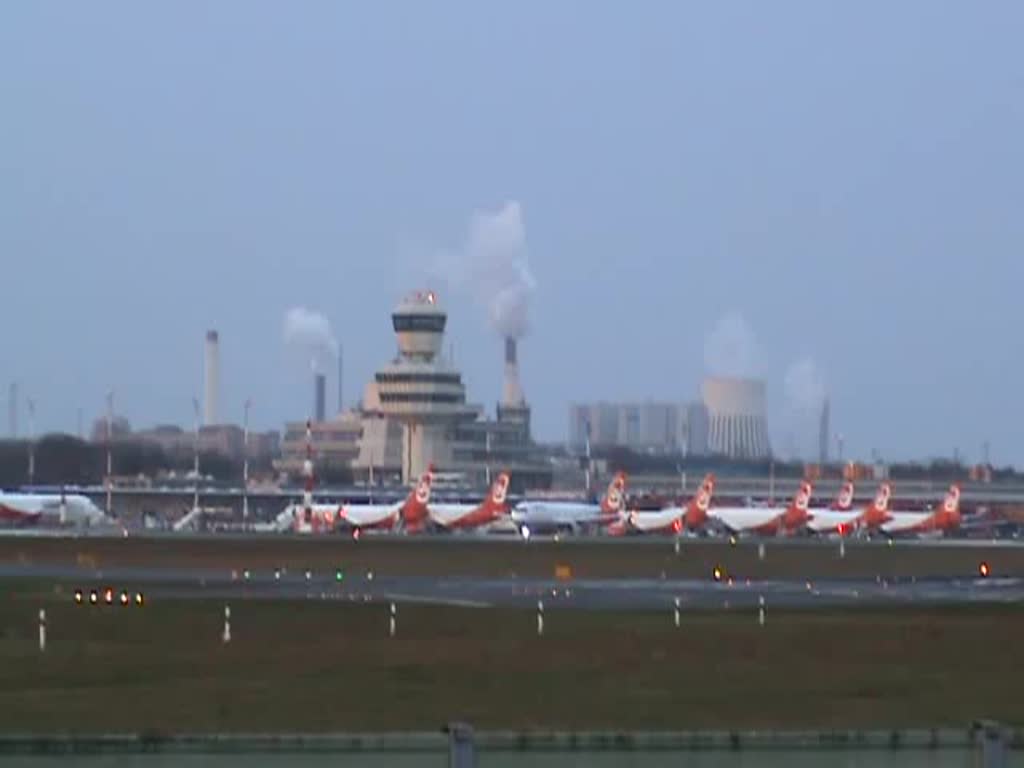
[[211, 378], [320, 397], [737, 421]]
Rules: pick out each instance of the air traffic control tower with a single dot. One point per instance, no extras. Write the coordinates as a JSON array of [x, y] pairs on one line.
[[420, 389]]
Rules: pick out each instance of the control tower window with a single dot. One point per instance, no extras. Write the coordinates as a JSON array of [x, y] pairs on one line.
[[432, 323], [418, 378], [419, 397]]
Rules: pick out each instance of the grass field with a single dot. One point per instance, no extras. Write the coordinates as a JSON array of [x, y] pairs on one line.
[[473, 557], [311, 666]]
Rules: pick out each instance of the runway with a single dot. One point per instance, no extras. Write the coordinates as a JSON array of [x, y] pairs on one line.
[[583, 594], [463, 537]]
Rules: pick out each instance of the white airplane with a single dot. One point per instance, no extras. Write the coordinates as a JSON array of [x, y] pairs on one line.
[[845, 521], [937, 521], [530, 516], [49, 509], [671, 519], [492, 508], [839, 513], [322, 517], [411, 514], [766, 520], [293, 518]]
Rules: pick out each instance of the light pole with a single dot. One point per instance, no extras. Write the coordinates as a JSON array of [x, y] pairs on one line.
[[586, 446], [110, 457], [245, 461], [195, 456], [31, 441], [487, 452]]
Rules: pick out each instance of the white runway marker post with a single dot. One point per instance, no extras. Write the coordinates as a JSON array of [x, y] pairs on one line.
[[760, 551], [540, 618], [391, 622], [760, 610], [226, 637], [42, 629], [677, 546], [676, 612], [842, 547]]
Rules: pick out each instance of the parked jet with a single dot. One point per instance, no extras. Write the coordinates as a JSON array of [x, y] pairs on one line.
[[49, 509], [671, 519], [493, 507], [532, 516]]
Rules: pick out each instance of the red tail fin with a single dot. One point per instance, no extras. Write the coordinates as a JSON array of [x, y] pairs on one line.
[[948, 515], [844, 500], [415, 508], [697, 509], [878, 511], [614, 500], [496, 502], [796, 514]]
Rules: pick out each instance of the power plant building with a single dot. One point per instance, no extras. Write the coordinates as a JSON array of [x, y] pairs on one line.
[[414, 414], [729, 421]]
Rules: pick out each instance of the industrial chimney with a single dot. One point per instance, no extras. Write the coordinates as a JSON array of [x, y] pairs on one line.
[[320, 396], [512, 392], [341, 381], [823, 434], [12, 409], [211, 378]]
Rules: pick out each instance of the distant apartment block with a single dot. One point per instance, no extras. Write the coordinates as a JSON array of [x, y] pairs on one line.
[[648, 426]]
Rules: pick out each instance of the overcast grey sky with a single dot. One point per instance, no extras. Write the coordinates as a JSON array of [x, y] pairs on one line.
[[846, 179]]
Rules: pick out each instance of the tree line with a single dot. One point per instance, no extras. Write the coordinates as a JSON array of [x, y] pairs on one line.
[[67, 460]]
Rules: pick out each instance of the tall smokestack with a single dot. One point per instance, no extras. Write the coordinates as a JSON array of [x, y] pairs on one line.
[[320, 396], [341, 381], [12, 409], [512, 392], [823, 430], [211, 378]]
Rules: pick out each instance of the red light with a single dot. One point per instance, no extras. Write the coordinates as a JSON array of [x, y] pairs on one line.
[[983, 570], [108, 595], [355, 534]]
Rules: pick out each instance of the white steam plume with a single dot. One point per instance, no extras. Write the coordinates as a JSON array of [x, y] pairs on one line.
[[805, 393], [492, 266], [804, 386], [310, 332], [730, 349]]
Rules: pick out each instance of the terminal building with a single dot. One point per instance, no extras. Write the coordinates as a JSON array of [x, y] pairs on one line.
[[414, 413]]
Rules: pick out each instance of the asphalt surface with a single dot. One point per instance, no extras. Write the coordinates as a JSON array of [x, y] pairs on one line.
[[462, 537], [586, 594]]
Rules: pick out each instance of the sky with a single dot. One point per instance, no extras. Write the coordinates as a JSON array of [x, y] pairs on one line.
[[835, 187]]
